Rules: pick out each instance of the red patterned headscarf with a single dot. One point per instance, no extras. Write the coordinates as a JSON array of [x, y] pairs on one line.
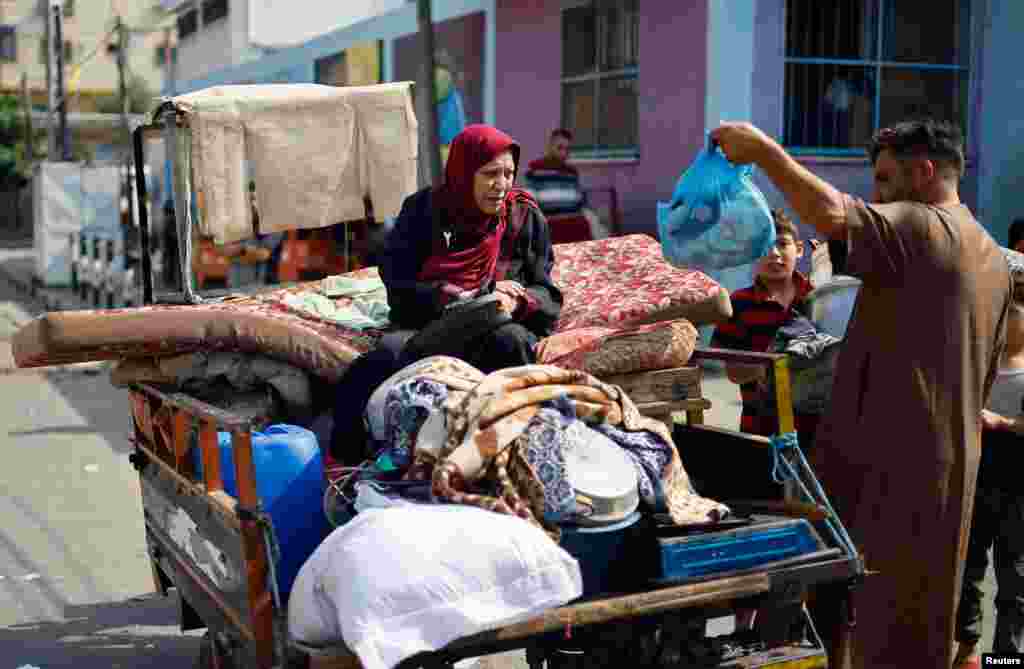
[[475, 264]]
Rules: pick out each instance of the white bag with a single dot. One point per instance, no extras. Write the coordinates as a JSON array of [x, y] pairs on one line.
[[399, 581]]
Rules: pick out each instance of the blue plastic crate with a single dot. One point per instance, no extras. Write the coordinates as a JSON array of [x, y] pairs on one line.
[[714, 553]]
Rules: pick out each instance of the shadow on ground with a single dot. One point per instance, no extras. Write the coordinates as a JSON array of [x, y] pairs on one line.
[[126, 634]]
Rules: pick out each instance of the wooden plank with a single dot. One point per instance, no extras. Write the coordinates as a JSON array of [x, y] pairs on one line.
[[261, 604], [220, 502], [197, 408], [587, 613], [678, 383], [182, 422], [658, 409], [745, 437], [627, 606], [211, 456], [812, 512], [734, 355]]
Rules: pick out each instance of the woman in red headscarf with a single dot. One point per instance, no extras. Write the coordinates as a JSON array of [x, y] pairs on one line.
[[476, 235]]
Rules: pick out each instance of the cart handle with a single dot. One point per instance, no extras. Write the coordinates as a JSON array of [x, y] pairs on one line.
[[778, 370]]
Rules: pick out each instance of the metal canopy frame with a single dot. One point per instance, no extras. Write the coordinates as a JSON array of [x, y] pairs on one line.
[[171, 125]]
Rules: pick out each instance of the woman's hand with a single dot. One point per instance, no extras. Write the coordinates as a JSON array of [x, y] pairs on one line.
[[507, 303], [511, 294], [513, 289]]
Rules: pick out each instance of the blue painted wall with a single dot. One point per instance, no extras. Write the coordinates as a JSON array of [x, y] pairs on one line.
[[296, 64], [1001, 118]]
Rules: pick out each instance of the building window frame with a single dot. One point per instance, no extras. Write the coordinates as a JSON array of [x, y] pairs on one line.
[[597, 75], [876, 66]]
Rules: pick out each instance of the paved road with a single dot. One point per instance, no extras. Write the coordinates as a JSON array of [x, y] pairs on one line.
[[74, 581]]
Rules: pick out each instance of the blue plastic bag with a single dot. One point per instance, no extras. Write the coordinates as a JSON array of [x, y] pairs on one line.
[[718, 218]]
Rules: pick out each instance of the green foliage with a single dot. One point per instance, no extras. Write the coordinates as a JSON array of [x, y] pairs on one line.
[[12, 134]]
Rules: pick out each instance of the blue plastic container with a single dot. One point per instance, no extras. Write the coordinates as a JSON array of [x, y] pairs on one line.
[[686, 558], [602, 552], [290, 483]]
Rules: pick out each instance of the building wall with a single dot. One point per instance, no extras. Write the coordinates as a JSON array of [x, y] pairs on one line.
[[1001, 114], [214, 46], [672, 77], [852, 175], [87, 30], [297, 21], [297, 64]]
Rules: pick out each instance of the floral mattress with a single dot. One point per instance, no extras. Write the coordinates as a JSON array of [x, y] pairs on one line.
[[605, 283]]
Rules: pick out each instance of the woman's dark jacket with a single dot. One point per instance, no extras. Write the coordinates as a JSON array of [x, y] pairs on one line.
[[418, 230]]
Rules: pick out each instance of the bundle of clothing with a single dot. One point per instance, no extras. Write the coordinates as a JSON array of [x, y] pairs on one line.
[[499, 441], [812, 357]]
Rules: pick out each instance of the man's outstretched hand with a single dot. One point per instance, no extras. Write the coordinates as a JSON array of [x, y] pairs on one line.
[[742, 143]]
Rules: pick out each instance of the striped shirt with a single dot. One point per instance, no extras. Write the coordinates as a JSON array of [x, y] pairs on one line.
[[756, 318]]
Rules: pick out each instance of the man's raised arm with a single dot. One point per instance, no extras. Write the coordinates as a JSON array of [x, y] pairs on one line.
[[815, 201]]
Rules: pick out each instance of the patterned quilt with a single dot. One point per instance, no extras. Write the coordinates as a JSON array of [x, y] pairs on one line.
[[605, 283]]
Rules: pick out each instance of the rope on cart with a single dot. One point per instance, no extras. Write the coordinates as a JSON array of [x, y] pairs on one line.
[[273, 548], [783, 470]]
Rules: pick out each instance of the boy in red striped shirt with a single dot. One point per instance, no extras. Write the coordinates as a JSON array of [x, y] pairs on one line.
[[777, 296]]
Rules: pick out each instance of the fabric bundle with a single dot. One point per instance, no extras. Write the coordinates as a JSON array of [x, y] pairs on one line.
[[497, 441], [352, 143]]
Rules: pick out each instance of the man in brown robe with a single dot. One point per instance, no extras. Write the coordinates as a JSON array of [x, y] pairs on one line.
[[898, 451]]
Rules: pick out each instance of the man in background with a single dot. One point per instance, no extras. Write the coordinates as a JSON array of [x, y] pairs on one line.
[[556, 157], [556, 185]]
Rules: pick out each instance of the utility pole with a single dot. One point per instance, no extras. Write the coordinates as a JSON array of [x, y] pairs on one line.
[[122, 87], [433, 147], [30, 135], [60, 145], [51, 91]]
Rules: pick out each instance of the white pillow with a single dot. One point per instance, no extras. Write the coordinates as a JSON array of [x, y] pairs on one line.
[[395, 582]]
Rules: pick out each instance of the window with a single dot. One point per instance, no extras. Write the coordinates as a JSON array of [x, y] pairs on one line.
[[8, 44], [853, 66], [214, 10], [160, 55], [188, 23], [600, 61]]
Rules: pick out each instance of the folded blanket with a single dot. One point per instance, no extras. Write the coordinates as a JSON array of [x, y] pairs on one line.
[[364, 312], [344, 285]]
